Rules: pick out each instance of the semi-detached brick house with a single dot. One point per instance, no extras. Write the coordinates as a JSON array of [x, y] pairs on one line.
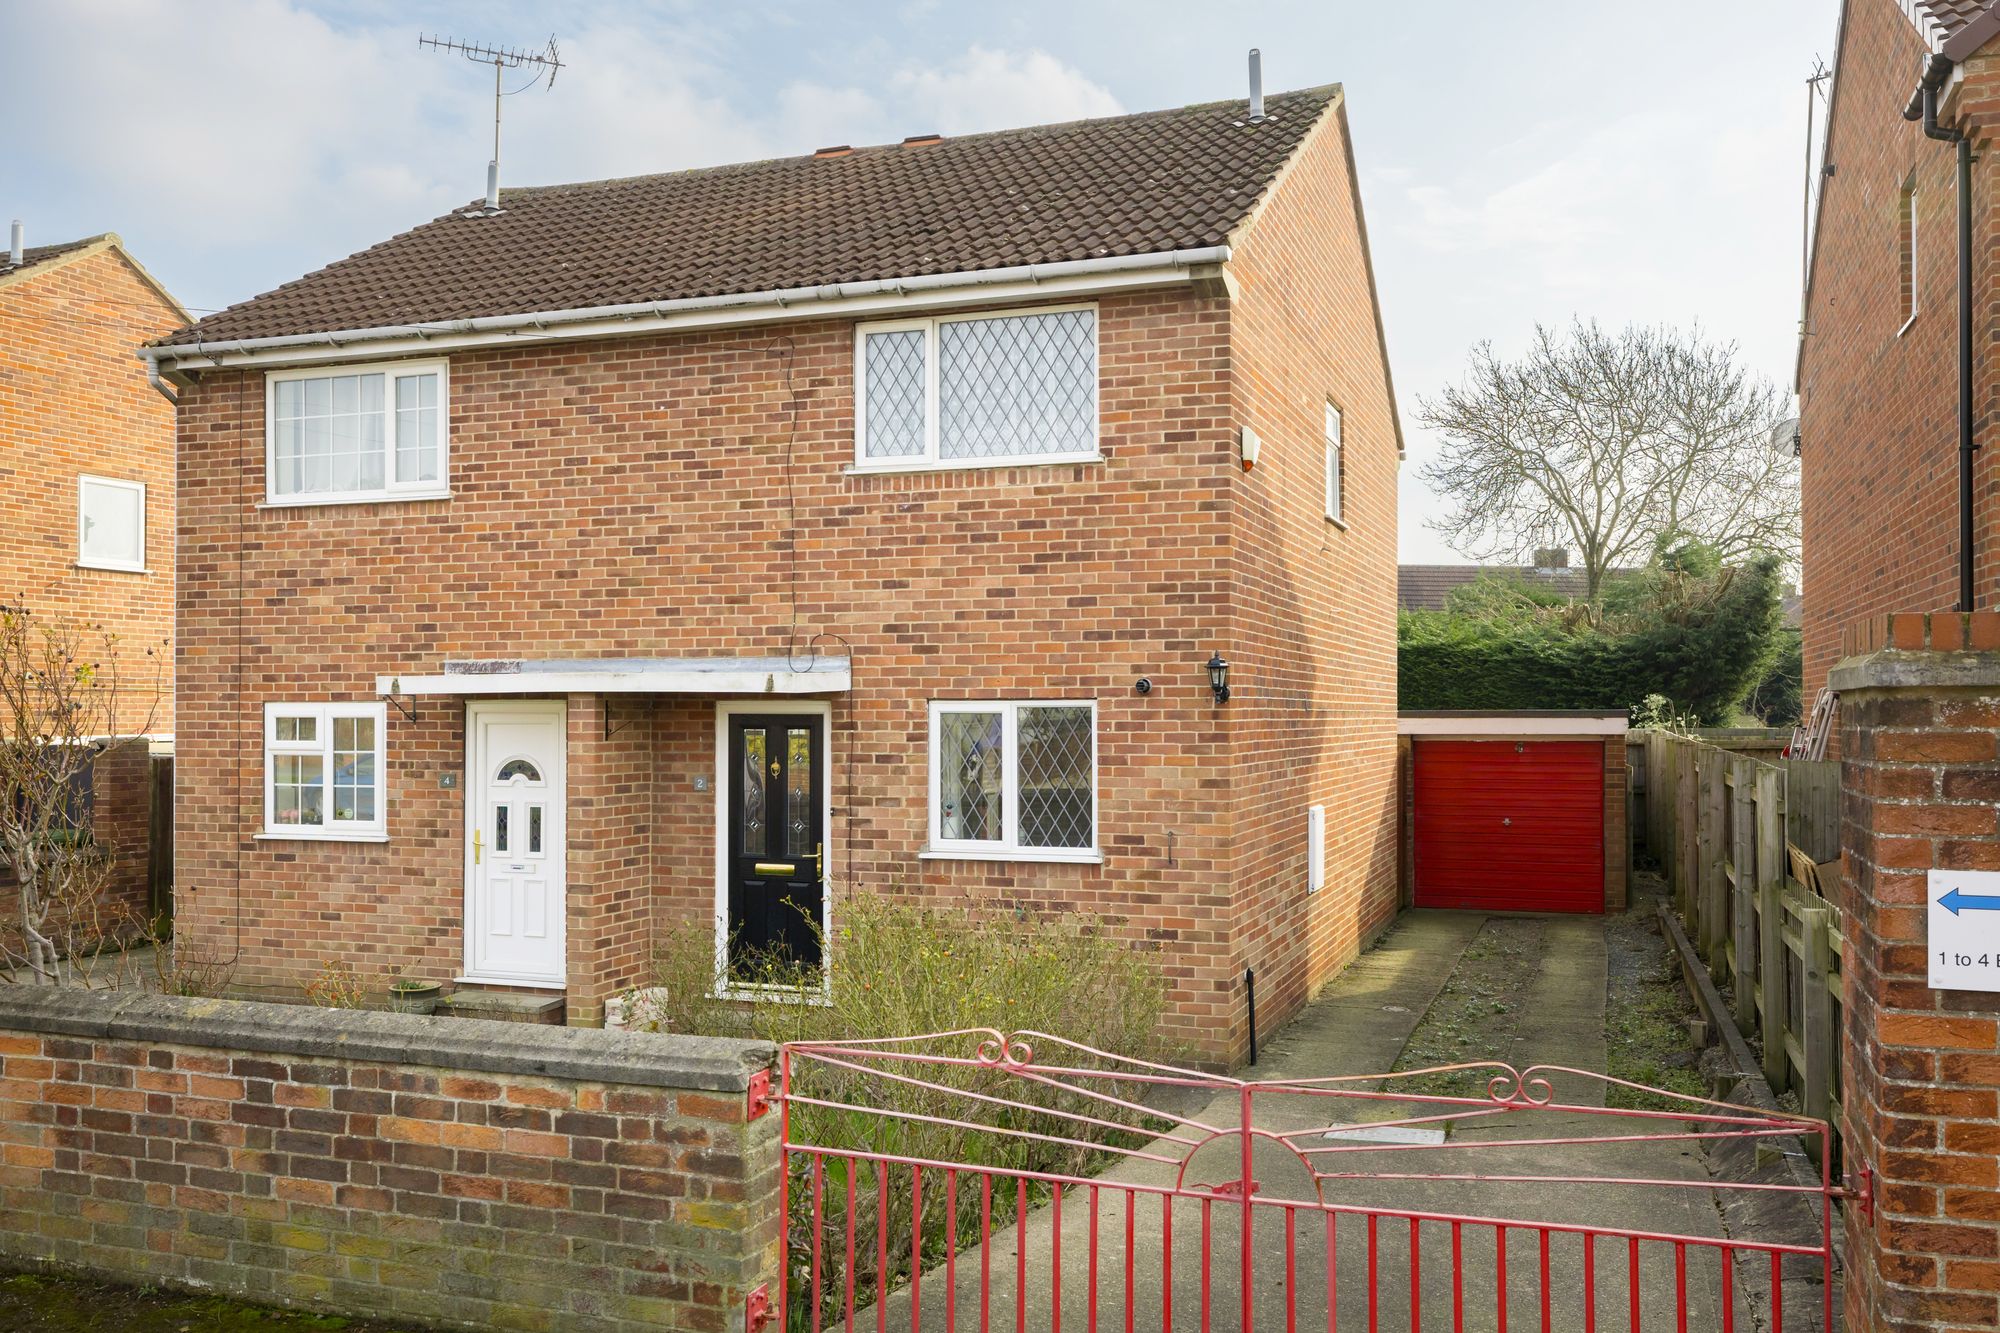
[[1878, 369], [711, 546], [87, 498]]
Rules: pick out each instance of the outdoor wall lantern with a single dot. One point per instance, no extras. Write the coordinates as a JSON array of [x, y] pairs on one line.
[[1218, 677]]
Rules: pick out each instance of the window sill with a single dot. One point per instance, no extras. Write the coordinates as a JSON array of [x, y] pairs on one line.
[[1340, 523], [294, 835], [816, 997], [107, 568], [1906, 324], [1078, 857], [319, 501], [970, 464]]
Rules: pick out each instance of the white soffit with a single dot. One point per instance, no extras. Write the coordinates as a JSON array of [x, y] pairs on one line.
[[631, 675]]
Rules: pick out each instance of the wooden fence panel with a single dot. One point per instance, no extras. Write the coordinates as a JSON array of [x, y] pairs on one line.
[[1729, 830], [1812, 807]]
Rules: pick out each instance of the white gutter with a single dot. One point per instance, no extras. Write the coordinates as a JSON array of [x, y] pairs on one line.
[[1067, 278]]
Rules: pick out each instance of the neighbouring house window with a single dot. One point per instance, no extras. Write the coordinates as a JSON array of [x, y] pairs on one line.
[[1908, 247], [1315, 848], [977, 390], [110, 523], [1014, 779], [323, 766], [1333, 496], [354, 434]]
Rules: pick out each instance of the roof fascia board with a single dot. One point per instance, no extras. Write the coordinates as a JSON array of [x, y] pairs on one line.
[[1335, 114], [993, 286]]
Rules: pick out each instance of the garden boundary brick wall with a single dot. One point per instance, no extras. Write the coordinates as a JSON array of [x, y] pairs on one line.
[[121, 820], [1920, 1068], [446, 1172]]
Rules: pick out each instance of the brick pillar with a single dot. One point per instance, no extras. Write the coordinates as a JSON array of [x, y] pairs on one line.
[[1920, 1069]]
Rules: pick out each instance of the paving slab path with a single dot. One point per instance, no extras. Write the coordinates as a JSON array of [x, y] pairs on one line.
[[1124, 1254]]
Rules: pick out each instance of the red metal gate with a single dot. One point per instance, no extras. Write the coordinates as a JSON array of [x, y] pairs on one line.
[[1023, 1182]]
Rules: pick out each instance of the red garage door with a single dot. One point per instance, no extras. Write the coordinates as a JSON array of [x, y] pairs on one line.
[[1513, 826]]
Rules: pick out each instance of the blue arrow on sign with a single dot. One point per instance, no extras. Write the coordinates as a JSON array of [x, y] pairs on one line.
[[1954, 902]]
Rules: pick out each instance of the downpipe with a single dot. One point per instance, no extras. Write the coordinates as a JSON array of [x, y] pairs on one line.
[[1923, 106]]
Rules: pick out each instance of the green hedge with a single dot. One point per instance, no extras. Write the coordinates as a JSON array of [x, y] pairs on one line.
[[1702, 639]]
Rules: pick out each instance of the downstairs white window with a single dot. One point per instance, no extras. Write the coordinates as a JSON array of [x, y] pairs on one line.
[[1014, 780], [978, 390], [323, 767], [352, 434]]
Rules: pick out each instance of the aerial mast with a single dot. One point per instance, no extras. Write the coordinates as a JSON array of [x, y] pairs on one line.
[[546, 62]]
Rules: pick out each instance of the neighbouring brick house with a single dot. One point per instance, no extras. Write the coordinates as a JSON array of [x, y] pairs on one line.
[[709, 546], [87, 494], [1878, 367]]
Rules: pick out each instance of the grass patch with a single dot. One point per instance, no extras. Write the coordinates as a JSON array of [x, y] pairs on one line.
[[1646, 1018], [47, 1303], [1473, 1016]]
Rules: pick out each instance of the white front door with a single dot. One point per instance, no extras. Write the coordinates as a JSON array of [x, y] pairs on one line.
[[514, 842]]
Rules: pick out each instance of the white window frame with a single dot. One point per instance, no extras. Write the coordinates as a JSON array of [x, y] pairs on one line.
[[84, 482], [350, 830], [1332, 426], [1008, 847], [391, 489], [929, 460], [1910, 318]]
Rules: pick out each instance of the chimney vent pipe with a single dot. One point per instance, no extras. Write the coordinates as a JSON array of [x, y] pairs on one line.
[[17, 244], [1256, 85], [493, 186]]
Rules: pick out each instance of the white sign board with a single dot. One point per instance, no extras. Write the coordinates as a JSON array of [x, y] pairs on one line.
[[1965, 929]]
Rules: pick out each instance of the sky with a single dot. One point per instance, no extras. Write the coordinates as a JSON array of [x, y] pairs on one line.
[[1521, 162]]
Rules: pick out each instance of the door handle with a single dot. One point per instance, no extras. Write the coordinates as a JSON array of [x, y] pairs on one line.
[[478, 846], [819, 860], [776, 868]]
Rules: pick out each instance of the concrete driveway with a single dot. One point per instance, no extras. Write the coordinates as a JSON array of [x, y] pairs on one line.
[[1388, 1272]]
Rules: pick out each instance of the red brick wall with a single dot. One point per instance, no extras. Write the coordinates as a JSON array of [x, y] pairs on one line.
[[74, 399], [1878, 403], [381, 1164], [633, 498], [1312, 631]]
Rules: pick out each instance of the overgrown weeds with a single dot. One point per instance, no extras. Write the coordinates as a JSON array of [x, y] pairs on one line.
[[902, 970]]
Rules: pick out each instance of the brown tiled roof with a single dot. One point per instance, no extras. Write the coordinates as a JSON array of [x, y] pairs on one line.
[[32, 255], [1425, 587], [1127, 185], [1955, 28]]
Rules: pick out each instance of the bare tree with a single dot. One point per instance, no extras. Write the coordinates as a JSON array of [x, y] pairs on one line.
[[60, 706], [1613, 445]]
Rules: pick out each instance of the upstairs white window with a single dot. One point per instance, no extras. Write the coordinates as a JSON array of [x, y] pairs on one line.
[[110, 523], [1333, 496], [356, 434], [323, 766], [1014, 781], [979, 390]]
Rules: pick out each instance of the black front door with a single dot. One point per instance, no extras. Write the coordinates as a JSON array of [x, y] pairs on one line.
[[777, 885]]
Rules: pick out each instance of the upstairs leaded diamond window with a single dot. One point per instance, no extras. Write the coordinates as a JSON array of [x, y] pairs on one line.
[[1014, 780], [978, 390]]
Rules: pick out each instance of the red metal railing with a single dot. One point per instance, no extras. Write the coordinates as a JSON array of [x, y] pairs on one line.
[[958, 1180]]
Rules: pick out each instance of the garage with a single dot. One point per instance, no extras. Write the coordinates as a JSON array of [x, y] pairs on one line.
[[1515, 812]]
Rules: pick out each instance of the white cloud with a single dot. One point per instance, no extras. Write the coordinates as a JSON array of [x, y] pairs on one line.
[[987, 89]]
